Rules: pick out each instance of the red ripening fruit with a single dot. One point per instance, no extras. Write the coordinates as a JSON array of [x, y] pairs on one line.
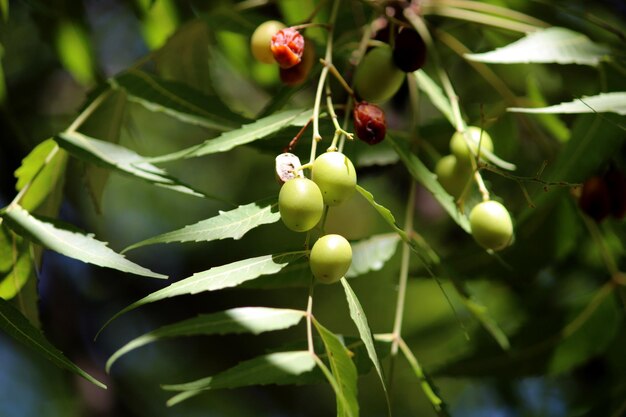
[[409, 50], [615, 181], [287, 46], [369, 122], [297, 74], [594, 199]]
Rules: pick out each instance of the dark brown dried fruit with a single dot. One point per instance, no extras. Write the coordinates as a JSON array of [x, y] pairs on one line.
[[594, 199], [409, 50], [287, 47], [615, 181], [369, 122]]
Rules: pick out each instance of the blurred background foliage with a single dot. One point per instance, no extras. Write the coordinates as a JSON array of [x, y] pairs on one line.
[[54, 53]]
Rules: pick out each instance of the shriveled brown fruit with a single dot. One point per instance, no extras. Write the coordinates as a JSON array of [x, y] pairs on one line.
[[594, 199], [369, 122]]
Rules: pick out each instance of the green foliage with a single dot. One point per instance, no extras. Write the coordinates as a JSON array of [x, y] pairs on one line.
[[548, 305]]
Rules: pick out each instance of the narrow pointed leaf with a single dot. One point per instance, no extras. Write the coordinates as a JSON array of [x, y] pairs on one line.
[[372, 253], [231, 224], [360, 320], [435, 94], [217, 278], [429, 180], [427, 386], [552, 45], [16, 266], [253, 320], [421, 248], [121, 159], [344, 372], [177, 100], [43, 168], [260, 129], [70, 243], [17, 326], [614, 102], [282, 368]]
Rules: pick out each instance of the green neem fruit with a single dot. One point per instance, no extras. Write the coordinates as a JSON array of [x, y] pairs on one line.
[[261, 39], [377, 78], [460, 149], [452, 176], [491, 225], [300, 203], [334, 173], [331, 257]]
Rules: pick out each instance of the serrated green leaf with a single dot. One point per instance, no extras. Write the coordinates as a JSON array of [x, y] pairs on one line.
[[429, 180], [217, 278], [435, 94], [121, 159], [372, 253], [260, 129], [360, 320], [45, 167], [552, 45], [70, 243], [18, 327], [106, 126], [281, 368], [253, 320], [343, 371], [16, 266], [231, 224], [177, 100], [614, 102]]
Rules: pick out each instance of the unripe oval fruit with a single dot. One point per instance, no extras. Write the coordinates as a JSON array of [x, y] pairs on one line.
[[334, 173], [369, 123], [491, 225], [300, 204], [377, 78], [460, 149], [331, 257], [261, 39], [451, 175]]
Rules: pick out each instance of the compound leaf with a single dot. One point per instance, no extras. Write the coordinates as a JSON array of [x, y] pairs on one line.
[[614, 102]]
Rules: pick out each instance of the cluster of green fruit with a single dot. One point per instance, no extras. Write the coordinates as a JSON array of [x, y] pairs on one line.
[[490, 221], [301, 202]]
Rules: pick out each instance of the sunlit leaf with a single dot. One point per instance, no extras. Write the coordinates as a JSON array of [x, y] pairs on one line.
[[17, 326], [372, 253], [253, 320], [177, 100], [217, 278], [43, 168], [75, 52], [282, 368], [260, 129], [429, 180], [552, 45], [231, 224], [121, 159], [360, 320], [435, 94], [614, 102], [16, 265], [343, 371], [69, 242], [159, 22]]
